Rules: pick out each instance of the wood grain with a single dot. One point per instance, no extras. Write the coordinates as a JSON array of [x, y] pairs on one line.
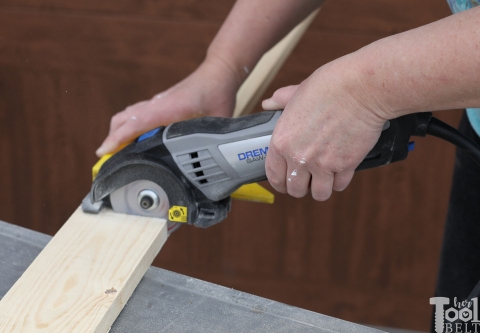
[[267, 68], [85, 275]]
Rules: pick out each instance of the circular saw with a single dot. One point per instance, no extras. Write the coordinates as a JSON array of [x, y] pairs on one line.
[[187, 172]]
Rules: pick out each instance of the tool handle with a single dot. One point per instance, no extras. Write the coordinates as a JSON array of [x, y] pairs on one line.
[[217, 155], [393, 145]]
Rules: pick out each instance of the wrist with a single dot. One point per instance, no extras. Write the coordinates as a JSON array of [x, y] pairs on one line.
[[362, 80], [344, 88], [215, 85], [226, 66], [387, 76]]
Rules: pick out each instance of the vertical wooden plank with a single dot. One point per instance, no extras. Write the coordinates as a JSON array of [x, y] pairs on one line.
[[267, 68]]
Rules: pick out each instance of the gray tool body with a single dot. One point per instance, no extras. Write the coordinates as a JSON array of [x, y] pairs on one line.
[[185, 172], [218, 158]]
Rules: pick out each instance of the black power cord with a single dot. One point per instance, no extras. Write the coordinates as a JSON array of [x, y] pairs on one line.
[[446, 132]]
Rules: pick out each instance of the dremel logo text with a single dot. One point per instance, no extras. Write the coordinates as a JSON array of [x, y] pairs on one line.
[[253, 155]]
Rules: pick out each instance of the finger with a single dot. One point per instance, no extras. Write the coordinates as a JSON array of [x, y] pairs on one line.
[[298, 181], [322, 185], [276, 168], [130, 130], [280, 98], [120, 118], [342, 179]]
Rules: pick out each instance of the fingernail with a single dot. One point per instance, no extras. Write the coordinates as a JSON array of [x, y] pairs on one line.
[[104, 149], [266, 102], [100, 151]]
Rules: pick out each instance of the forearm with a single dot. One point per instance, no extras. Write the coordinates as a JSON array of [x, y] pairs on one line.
[[252, 28], [434, 67]]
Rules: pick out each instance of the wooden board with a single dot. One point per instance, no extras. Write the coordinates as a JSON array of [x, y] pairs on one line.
[[83, 278], [267, 68]]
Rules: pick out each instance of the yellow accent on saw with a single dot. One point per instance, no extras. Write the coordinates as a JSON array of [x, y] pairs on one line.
[[250, 192], [253, 192], [98, 165], [178, 214]]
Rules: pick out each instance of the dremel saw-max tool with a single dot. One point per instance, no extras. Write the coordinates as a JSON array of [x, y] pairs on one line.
[[188, 171]]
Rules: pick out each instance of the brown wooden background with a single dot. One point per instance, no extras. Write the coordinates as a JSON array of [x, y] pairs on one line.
[[367, 255]]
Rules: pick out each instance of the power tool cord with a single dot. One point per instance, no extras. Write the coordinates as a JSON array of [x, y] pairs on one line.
[[446, 132]]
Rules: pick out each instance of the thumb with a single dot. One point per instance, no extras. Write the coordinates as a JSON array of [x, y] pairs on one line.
[[280, 98]]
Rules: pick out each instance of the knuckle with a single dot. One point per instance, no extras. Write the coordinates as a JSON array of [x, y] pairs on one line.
[[122, 134], [318, 164], [115, 138], [338, 166], [116, 119], [327, 165], [278, 93], [347, 163], [269, 169], [277, 145], [274, 180]]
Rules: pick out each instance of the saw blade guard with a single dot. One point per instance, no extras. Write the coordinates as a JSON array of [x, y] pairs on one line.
[[143, 185]]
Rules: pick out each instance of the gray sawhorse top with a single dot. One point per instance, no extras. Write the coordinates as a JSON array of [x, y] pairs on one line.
[[168, 302]]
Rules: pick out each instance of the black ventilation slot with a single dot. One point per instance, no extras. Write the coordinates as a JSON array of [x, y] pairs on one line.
[[198, 165]]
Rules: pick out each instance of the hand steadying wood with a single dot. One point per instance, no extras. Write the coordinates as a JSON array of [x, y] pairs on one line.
[[251, 29]]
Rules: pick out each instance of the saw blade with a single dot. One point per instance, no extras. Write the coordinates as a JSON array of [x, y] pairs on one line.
[[143, 198]]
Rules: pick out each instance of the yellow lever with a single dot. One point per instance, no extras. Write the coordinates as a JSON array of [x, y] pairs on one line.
[[98, 165], [253, 192]]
